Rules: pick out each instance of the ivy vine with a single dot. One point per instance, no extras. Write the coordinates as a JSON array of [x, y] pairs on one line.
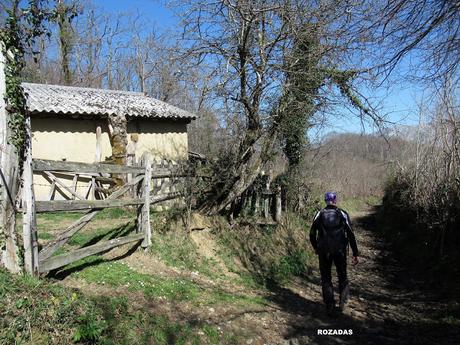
[[21, 28]]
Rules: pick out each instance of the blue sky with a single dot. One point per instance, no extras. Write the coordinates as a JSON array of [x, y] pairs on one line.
[[398, 102]]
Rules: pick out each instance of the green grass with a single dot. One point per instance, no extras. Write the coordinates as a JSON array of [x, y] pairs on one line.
[[117, 212], [43, 235], [118, 274], [176, 249], [358, 204], [269, 257], [59, 216], [38, 312], [85, 238]]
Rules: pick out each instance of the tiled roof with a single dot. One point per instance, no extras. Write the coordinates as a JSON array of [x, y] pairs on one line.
[[69, 100]]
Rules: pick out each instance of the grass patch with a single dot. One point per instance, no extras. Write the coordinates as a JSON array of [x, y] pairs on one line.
[[86, 238], [118, 274], [43, 235], [270, 256], [59, 216], [38, 312], [117, 212], [177, 250], [359, 204]]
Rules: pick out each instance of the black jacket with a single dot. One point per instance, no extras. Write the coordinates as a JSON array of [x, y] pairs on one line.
[[316, 226]]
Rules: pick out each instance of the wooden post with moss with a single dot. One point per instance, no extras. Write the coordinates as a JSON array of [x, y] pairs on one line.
[[9, 181]]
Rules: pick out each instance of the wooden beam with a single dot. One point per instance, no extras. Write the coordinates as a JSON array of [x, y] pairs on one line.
[[62, 185], [63, 237], [164, 197], [81, 168], [74, 183], [76, 205], [52, 190], [143, 220], [167, 174], [29, 221], [278, 204], [82, 177], [93, 188], [75, 255]]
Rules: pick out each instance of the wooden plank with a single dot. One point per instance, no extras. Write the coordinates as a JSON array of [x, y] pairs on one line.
[[160, 198], [62, 185], [166, 174], [51, 247], [144, 212], [29, 221], [50, 165], [75, 255], [266, 206], [93, 189], [52, 190], [63, 237], [82, 177], [278, 204], [88, 190], [75, 205], [75, 183]]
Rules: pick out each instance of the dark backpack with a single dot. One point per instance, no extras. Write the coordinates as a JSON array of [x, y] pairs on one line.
[[332, 237]]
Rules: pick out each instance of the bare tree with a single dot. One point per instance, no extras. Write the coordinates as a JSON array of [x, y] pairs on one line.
[[428, 30], [247, 44]]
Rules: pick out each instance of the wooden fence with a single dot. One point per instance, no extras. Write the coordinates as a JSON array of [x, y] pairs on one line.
[[103, 191]]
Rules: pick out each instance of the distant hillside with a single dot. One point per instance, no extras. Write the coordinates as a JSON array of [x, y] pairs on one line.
[[354, 164]]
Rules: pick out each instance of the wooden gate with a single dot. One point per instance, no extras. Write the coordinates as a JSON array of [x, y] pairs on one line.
[[102, 192]]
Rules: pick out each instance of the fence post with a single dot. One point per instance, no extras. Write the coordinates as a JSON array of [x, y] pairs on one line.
[[29, 225], [9, 182], [266, 197], [143, 220], [278, 204]]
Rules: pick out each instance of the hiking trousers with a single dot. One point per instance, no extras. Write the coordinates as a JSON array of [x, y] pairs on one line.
[[325, 266]]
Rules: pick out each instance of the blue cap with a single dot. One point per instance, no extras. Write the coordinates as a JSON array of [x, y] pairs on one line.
[[330, 197]]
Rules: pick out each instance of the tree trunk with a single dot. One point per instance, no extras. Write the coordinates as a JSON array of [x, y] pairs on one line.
[[119, 141], [248, 168]]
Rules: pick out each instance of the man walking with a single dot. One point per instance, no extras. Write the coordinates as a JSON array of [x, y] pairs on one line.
[[329, 235]]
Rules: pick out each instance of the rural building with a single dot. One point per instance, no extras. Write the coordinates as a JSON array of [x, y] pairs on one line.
[[70, 124]]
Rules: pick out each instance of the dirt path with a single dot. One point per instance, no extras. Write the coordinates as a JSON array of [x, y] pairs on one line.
[[386, 307]]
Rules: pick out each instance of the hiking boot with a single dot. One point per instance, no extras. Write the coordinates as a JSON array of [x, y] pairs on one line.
[[343, 306], [330, 310], [344, 299]]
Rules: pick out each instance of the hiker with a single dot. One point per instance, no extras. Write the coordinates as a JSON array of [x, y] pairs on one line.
[[329, 235]]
